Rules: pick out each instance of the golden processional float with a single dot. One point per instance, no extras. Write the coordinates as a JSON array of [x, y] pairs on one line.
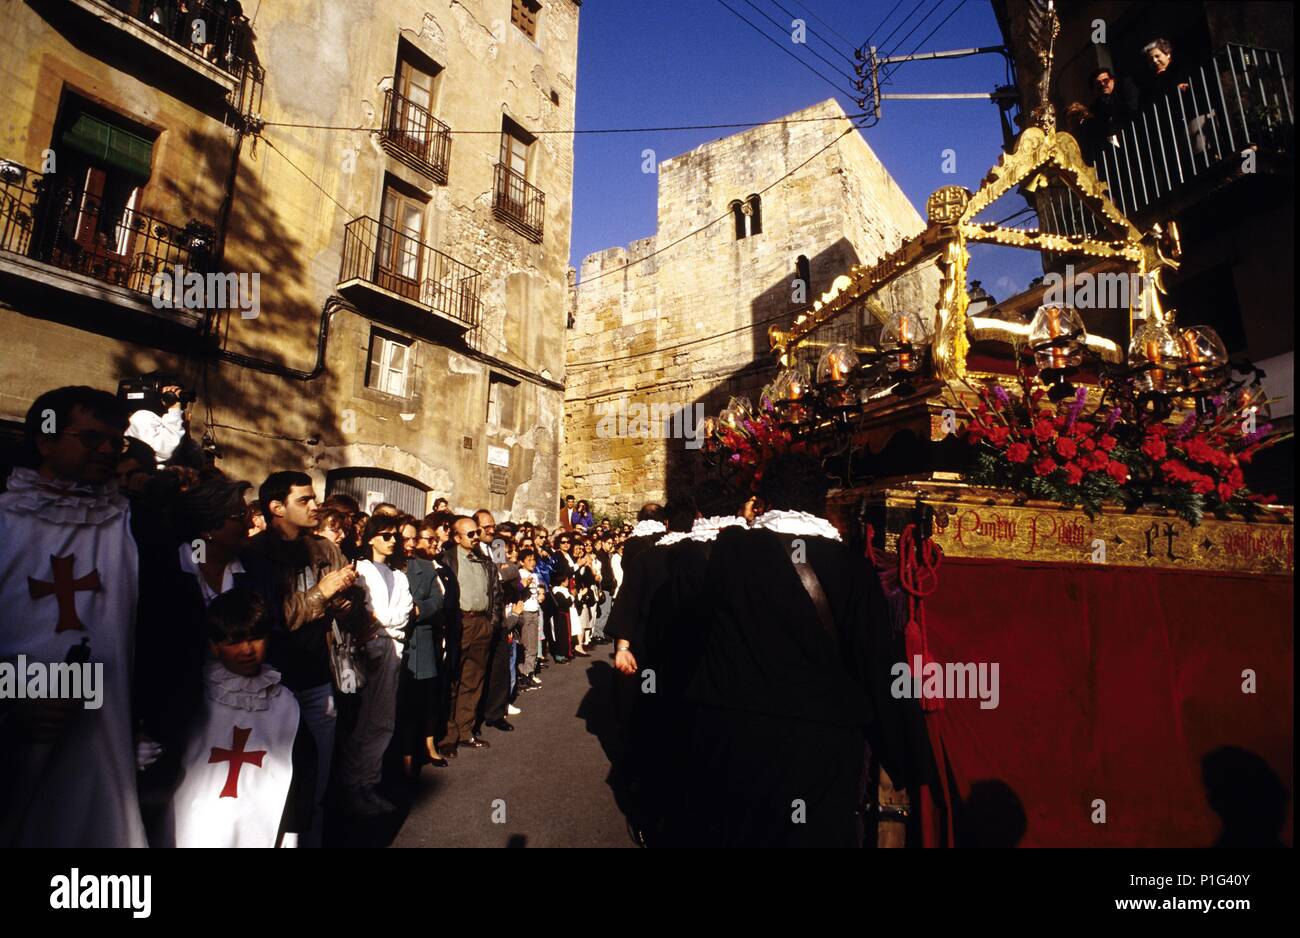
[[1014, 467]]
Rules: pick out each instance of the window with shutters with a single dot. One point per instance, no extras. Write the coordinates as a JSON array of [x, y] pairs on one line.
[[523, 13], [389, 369], [104, 160]]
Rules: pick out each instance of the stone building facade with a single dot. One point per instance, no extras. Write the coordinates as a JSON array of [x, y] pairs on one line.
[[412, 272], [661, 327]]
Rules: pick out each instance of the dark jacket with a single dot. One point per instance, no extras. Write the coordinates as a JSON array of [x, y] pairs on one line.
[[300, 618], [451, 557], [421, 650]]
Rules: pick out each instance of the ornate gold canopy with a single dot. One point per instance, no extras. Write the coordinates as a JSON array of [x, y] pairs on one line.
[[1042, 158]]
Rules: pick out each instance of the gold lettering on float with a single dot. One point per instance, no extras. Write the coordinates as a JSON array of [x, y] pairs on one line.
[[997, 528]]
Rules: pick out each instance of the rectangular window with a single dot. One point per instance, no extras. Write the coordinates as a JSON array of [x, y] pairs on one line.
[[515, 146], [104, 160], [400, 258], [501, 402], [390, 363], [523, 13], [416, 87]]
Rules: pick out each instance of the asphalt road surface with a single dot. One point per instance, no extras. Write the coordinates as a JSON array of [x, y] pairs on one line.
[[546, 784]]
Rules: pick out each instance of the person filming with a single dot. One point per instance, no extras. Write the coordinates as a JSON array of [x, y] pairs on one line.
[[160, 418]]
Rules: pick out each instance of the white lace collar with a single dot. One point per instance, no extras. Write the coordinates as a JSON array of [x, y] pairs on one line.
[[30, 493], [672, 538], [242, 693], [644, 528], [706, 529], [797, 522]]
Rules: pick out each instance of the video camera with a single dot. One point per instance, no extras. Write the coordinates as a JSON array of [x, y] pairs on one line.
[[146, 393]]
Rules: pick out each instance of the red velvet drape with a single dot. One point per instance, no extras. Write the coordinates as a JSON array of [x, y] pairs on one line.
[[1114, 684]]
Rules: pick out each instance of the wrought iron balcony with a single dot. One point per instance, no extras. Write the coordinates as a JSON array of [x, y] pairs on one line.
[[415, 136], [385, 264], [57, 222], [1236, 101], [227, 37], [519, 204]]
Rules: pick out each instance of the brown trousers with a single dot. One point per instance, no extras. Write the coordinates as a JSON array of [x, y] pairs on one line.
[[467, 683]]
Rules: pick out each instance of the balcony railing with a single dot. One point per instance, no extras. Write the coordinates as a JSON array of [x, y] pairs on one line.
[[519, 204], [104, 237], [227, 37], [399, 263], [412, 134], [1237, 100]]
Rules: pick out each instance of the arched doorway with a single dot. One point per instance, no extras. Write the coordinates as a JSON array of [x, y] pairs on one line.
[[370, 486]]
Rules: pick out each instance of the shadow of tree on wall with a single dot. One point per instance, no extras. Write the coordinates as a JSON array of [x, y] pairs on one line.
[[260, 419]]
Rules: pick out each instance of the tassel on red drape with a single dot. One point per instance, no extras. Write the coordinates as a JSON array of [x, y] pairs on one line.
[[918, 575]]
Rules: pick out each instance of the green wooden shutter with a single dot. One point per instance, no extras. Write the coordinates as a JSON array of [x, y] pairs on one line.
[[110, 145]]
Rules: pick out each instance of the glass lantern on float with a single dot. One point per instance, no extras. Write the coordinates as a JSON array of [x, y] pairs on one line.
[[1056, 337], [834, 373], [1156, 356], [903, 342], [1205, 370], [741, 407], [731, 420], [790, 393]]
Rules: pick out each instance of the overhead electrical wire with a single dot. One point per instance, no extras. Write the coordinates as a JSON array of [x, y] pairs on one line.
[[574, 131], [879, 26], [899, 25], [803, 6], [784, 29], [915, 26], [926, 38], [762, 32]]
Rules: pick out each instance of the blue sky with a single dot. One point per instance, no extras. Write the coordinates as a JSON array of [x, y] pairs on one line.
[[671, 62]]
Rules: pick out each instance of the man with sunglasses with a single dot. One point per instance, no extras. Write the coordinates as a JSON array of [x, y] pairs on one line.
[[68, 586], [480, 610]]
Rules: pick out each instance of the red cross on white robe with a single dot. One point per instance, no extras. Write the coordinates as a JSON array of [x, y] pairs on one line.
[[64, 589], [236, 756]]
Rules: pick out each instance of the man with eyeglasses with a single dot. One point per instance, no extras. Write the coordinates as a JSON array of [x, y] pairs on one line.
[[496, 686], [68, 586], [480, 618]]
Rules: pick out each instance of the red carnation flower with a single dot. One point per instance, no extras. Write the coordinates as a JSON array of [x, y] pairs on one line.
[[1107, 442], [1045, 466], [1083, 428], [998, 434], [1018, 452], [1155, 448], [1066, 447], [1088, 444], [1201, 484], [1226, 491], [1073, 474], [1117, 471], [1044, 430]]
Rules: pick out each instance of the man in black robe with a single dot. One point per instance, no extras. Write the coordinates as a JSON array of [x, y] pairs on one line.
[[669, 638], [791, 692]]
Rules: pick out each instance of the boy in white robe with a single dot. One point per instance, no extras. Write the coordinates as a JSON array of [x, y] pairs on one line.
[[244, 772]]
